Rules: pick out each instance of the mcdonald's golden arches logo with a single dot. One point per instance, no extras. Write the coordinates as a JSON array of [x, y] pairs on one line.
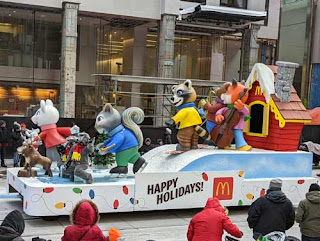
[[223, 188]]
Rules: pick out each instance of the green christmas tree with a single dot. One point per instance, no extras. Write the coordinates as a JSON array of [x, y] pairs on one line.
[[104, 160]]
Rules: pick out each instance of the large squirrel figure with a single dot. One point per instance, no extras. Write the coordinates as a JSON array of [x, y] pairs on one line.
[[125, 136]]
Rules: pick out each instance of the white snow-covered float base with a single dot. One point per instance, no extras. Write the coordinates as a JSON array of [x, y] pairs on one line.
[[172, 182]]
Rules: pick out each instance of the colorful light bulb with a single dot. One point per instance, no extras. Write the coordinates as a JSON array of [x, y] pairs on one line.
[[241, 173], [205, 176], [60, 205], [125, 190], [77, 190], [91, 194], [116, 204], [48, 189], [250, 196]]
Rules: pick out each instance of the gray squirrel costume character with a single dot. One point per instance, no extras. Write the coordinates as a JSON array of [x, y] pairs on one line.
[[125, 137], [76, 157]]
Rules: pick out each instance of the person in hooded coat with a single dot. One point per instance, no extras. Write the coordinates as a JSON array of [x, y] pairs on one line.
[[16, 142], [208, 225], [4, 134], [308, 214], [272, 212], [147, 146], [12, 227], [84, 216]]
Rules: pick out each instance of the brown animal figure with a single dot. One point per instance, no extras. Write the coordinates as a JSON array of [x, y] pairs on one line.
[[33, 157], [187, 117], [27, 172]]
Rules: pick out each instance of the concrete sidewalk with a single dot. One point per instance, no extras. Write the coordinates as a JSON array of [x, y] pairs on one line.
[[9, 163]]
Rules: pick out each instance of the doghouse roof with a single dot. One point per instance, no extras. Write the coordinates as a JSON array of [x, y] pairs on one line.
[[265, 76], [293, 111]]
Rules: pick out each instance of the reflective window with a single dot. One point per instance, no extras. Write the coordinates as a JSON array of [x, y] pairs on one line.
[[192, 57], [30, 39], [234, 3], [16, 98], [292, 38]]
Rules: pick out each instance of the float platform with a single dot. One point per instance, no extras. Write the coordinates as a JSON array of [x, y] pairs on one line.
[[172, 182]]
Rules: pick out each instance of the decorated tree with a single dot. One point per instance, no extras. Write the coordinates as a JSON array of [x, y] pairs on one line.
[[104, 160]]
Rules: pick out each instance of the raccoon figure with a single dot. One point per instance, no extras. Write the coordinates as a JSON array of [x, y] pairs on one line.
[[125, 136], [188, 116]]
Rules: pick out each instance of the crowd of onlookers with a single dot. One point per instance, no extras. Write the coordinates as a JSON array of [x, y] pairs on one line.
[[13, 137], [148, 145], [270, 216]]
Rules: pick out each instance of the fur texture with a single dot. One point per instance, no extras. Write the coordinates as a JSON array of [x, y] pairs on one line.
[[183, 93], [109, 118], [33, 157], [47, 114]]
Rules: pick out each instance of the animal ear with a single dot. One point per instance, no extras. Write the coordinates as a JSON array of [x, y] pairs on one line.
[[188, 83], [49, 102], [108, 108], [43, 105], [234, 82]]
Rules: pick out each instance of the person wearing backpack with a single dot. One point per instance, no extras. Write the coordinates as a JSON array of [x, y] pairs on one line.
[[308, 214], [84, 218]]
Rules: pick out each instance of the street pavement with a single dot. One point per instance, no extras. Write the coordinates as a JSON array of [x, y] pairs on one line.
[[168, 225]]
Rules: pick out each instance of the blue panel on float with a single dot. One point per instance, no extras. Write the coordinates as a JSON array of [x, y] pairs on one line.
[[256, 165]]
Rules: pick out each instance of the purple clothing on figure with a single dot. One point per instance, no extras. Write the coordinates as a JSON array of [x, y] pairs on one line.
[[243, 113]]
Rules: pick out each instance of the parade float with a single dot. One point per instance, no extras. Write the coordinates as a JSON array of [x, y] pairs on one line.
[[166, 179]]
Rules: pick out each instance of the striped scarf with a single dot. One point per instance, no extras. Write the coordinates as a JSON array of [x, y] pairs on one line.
[[76, 155], [66, 153]]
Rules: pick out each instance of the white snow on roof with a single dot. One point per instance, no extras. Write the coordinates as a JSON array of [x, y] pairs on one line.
[[265, 77]]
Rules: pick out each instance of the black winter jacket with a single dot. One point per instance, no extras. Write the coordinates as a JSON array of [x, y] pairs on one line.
[[12, 227], [273, 212], [4, 135], [16, 140]]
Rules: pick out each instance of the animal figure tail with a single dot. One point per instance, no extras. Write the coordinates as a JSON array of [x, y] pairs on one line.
[[203, 133], [131, 117]]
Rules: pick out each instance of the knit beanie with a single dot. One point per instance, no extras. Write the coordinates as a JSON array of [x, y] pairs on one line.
[[314, 187], [275, 183], [114, 234]]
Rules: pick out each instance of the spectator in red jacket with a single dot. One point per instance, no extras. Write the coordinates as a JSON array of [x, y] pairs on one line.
[[209, 224], [84, 216]]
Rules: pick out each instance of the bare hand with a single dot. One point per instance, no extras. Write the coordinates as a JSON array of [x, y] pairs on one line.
[[238, 105], [219, 118]]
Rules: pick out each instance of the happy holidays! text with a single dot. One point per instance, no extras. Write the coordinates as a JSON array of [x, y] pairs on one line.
[[164, 194]]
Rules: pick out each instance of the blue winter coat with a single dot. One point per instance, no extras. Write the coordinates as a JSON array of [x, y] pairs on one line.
[[123, 139]]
